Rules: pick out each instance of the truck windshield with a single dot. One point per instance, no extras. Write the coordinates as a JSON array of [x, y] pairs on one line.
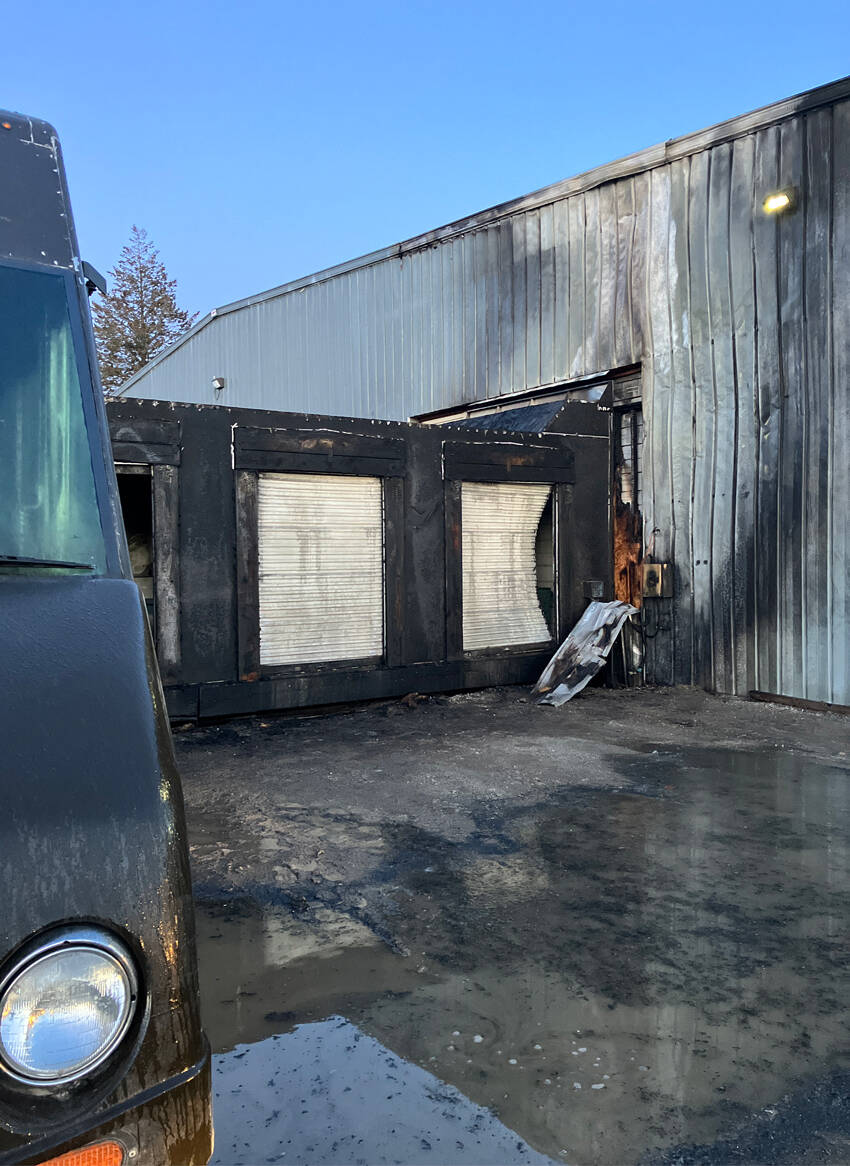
[[49, 512]]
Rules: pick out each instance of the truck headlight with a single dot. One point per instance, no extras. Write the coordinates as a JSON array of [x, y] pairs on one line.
[[65, 1006]]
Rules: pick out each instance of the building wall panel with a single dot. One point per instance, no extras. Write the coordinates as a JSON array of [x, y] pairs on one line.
[[838, 462]]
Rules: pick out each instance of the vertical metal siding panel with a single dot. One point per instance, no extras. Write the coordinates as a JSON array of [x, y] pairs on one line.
[[724, 438], [309, 367], [284, 370], [358, 399], [348, 395], [435, 338], [839, 461], [476, 327], [446, 264], [741, 210], [791, 644], [447, 321], [255, 354], [607, 276], [473, 324], [404, 386], [365, 279], [591, 280], [458, 387], [818, 312], [532, 302], [493, 375], [396, 388], [415, 327], [367, 336], [296, 356], [361, 400], [637, 273], [562, 289], [382, 314], [339, 387], [259, 348], [681, 441], [383, 338], [657, 407], [519, 278], [272, 326], [577, 361], [625, 226], [769, 415], [547, 295], [330, 342], [703, 466], [399, 388], [426, 346], [506, 306]]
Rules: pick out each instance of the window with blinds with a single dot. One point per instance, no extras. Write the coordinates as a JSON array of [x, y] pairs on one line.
[[499, 525], [321, 568]]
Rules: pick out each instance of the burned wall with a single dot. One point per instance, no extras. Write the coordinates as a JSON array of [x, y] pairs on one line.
[[206, 546]]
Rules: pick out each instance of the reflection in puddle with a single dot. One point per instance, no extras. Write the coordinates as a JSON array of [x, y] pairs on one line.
[[639, 972], [327, 1093]]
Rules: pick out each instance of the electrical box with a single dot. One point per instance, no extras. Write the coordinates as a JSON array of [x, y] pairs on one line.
[[657, 581], [593, 588]]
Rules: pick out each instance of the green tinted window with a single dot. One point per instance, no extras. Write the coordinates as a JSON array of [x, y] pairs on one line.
[[49, 507]]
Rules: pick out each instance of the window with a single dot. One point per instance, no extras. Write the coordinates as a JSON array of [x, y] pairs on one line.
[[321, 568], [49, 509], [501, 537]]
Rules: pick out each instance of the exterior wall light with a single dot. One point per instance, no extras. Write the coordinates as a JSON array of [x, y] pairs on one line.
[[780, 202], [218, 383]]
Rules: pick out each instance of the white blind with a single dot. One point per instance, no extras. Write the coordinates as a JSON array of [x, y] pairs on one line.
[[499, 527], [321, 570]]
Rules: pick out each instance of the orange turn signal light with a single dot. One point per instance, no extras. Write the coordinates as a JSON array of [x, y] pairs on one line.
[[100, 1154]]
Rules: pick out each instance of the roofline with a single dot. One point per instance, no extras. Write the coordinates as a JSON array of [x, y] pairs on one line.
[[626, 167]]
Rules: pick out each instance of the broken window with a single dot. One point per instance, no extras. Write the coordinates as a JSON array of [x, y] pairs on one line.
[[508, 564]]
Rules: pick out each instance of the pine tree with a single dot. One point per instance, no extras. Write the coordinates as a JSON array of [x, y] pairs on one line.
[[140, 315]]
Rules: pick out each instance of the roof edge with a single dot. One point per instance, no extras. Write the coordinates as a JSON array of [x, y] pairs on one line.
[[625, 167]]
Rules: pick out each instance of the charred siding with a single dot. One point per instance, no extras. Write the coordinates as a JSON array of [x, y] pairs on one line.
[[740, 323]]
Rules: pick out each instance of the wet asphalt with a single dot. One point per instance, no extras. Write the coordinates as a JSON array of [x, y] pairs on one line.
[[469, 930]]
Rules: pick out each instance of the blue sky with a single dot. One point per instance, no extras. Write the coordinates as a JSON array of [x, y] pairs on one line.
[[261, 142]]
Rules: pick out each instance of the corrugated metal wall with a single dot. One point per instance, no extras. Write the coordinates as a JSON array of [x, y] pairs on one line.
[[740, 322]]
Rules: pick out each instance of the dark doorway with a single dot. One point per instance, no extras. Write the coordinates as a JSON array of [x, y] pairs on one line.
[[134, 488]]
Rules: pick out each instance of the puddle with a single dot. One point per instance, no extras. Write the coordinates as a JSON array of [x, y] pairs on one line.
[[606, 979], [328, 1093]]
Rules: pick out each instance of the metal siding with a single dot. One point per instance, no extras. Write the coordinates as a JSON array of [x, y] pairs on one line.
[[740, 322], [321, 568], [838, 463], [499, 524]]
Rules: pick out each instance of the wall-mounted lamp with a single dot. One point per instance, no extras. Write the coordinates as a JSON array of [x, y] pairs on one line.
[[218, 383], [780, 202]]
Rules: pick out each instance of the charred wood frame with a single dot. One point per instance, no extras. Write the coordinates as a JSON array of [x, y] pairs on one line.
[[205, 465]]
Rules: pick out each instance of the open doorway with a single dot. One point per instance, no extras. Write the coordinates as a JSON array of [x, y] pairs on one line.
[[628, 435], [134, 489]]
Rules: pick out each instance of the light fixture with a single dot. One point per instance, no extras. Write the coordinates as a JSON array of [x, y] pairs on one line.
[[218, 383], [65, 1006], [780, 202]]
